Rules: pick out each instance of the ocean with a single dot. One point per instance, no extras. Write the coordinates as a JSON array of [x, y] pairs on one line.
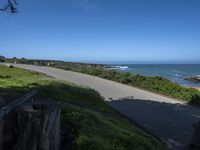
[[175, 73]]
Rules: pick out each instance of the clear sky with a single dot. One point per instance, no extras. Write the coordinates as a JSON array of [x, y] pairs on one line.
[[103, 30]]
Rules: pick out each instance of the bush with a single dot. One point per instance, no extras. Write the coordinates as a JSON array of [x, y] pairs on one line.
[[2, 60]]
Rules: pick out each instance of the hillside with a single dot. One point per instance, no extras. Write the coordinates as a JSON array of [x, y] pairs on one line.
[[87, 122]]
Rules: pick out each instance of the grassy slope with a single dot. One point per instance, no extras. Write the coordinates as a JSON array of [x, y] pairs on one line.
[[87, 122]]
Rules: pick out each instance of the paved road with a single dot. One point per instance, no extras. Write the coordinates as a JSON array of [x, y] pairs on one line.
[[167, 118]]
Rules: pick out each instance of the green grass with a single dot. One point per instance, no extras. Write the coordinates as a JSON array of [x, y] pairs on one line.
[[87, 121], [15, 82]]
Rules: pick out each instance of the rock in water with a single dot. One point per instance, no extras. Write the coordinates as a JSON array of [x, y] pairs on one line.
[[39, 126], [194, 78]]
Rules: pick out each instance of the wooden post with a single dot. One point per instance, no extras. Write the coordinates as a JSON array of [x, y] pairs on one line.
[[39, 126]]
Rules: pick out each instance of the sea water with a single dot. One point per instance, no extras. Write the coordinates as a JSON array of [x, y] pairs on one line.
[[176, 73]]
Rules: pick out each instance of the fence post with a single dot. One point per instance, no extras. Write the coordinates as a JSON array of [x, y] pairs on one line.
[[39, 126]]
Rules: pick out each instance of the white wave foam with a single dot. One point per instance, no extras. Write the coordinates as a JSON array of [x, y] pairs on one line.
[[122, 67], [177, 75], [119, 67]]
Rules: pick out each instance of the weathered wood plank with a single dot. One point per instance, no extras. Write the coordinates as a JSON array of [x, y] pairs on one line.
[[8, 108], [39, 126]]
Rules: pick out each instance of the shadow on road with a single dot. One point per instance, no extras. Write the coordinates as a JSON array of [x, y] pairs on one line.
[[172, 123]]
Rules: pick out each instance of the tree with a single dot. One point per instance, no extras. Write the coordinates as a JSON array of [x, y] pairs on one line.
[[10, 6], [2, 57]]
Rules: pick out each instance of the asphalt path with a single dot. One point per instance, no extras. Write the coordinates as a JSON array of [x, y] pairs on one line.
[[167, 118]]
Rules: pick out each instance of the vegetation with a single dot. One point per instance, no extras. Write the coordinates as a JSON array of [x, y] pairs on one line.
[[2, 58], [87, 121], [154, 84]]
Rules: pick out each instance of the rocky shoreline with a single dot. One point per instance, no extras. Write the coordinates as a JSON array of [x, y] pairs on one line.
[[193, 78], [198, 88], [194, 87]]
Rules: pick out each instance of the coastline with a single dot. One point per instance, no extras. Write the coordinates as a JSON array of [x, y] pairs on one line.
[[198, 88], [183, 74], [194, 87]]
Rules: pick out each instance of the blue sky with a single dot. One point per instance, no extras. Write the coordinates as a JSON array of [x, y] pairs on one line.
[[103, 30]]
